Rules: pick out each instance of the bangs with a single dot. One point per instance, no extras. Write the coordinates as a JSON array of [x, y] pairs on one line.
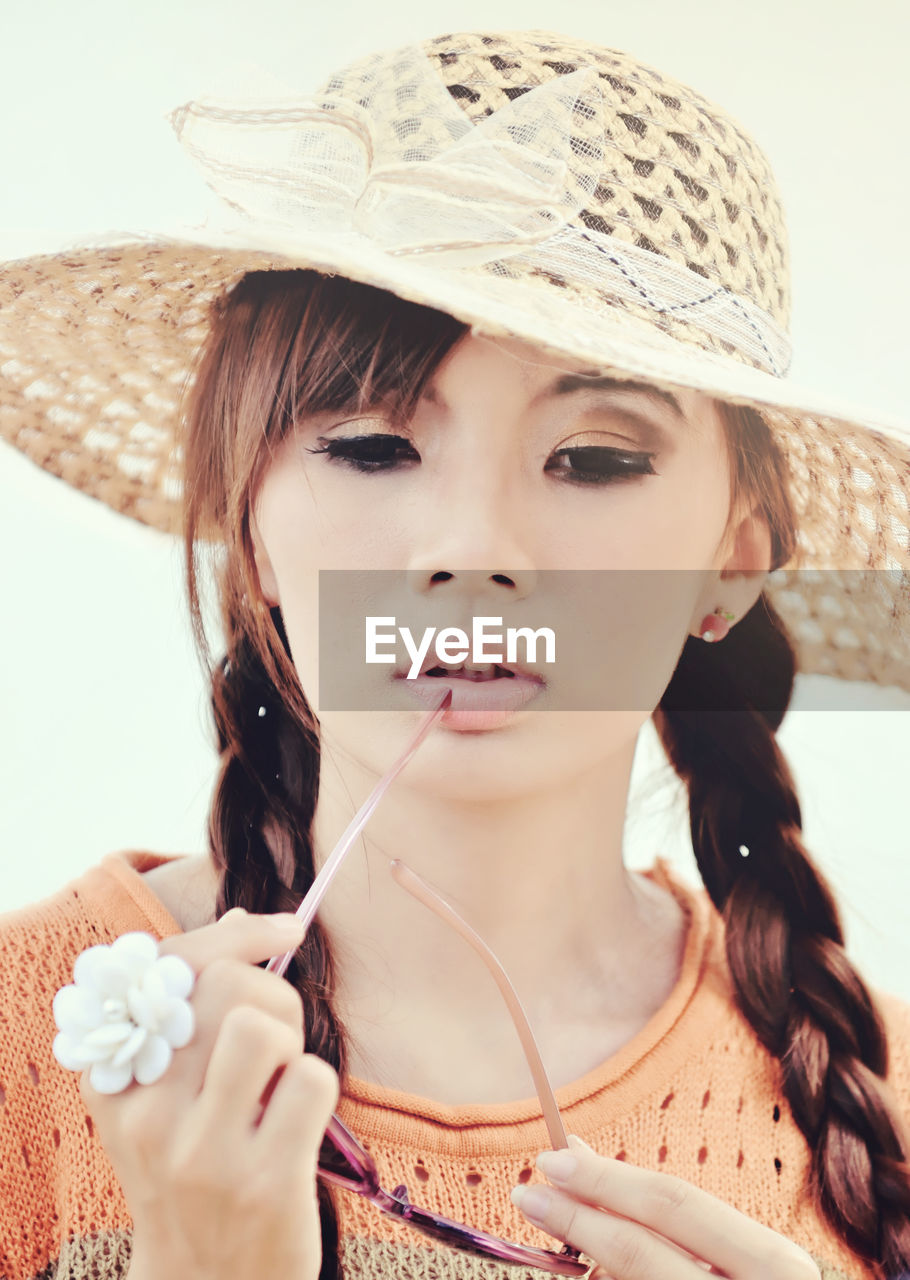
[[330, 344]]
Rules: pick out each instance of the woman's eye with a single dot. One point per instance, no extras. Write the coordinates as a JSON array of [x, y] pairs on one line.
[[375, 452], [586, 464], [598, 464]]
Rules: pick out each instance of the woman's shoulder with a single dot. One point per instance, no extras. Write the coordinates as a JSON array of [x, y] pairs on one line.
[[54, 1175], [112, 896], [37, 939], [41, 1107], [39, 942], [186, 887], [39, 945]]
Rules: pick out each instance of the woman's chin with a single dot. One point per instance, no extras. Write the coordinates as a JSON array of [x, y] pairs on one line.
[[474, 760]]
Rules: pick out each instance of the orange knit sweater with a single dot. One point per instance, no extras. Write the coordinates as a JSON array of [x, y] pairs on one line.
[[693, 1093]]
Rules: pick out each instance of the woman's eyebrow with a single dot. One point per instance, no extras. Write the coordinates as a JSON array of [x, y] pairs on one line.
[[592, 382], [585, 382]]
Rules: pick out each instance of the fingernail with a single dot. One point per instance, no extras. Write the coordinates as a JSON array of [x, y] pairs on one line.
[[558, 1166], [573, 1137], [534, 1202]]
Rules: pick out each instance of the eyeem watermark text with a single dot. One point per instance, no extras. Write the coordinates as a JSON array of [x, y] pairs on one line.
[[452, 644]]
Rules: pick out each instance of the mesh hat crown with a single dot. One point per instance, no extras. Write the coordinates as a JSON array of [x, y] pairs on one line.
[[533, 186]]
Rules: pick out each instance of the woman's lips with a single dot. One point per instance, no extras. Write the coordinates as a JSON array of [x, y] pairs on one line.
[[476, 704]]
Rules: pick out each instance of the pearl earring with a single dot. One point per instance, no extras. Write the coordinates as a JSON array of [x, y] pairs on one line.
[[716, 625]]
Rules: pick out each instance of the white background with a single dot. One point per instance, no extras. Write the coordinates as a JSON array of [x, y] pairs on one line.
[[106, 738]]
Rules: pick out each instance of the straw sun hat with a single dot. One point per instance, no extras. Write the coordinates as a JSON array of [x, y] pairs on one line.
[[532, 185]]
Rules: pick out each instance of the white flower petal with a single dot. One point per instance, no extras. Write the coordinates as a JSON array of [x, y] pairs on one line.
[[178, 1025], [112, 978], [105, 1078], [139, 946], [65, 1050], [88, 963], [83, 1055], [109, 1035], [140, 1007], [154, 988], [77, 1009], [177, 975], [136, 952], [108, 1017], [132, 1046], [152, 1060]]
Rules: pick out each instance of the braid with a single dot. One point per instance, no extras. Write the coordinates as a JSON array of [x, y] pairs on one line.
[[785, 944], [259, 834]]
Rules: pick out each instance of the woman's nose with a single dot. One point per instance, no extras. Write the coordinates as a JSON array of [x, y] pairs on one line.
[[473, 522]]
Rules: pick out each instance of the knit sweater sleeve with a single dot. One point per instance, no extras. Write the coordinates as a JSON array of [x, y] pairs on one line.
[[62, 1211], [29, 1156]]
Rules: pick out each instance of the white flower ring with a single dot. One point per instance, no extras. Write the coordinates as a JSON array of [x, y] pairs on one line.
[[124, 1014]]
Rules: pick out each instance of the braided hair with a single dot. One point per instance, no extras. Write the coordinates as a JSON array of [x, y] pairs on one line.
[[784, 939], [285, 344], [259, 837]]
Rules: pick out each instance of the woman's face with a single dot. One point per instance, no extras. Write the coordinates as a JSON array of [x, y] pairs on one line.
[[478, 505]]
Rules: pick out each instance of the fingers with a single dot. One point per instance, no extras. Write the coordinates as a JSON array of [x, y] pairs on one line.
[[223, 956], [249, 1049], [654, 1208], [301, 1105], [678, 1210], [238, 935], [625, 1250]]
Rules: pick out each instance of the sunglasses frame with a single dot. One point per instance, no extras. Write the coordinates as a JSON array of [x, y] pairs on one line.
[[457, 1235]]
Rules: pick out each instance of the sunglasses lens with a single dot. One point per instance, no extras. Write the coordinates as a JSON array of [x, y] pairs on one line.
[[336, 1162], [343, 1161], [462, 1237]]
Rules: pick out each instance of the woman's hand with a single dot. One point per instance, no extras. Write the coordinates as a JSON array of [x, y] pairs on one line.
[[666, 1227], [214, 1190]]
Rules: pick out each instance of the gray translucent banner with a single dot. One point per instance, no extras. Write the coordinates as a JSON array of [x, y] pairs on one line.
[[604, 640]]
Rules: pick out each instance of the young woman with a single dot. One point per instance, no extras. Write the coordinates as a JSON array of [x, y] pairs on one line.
[[511, 369]]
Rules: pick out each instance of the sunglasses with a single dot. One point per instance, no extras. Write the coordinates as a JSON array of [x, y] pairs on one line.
[[343, 1161]]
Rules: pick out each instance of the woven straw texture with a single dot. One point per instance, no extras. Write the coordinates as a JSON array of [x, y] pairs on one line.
[[677, 176], [661, 251]]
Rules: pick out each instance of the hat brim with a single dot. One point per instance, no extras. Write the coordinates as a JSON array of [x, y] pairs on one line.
[[97, 346]]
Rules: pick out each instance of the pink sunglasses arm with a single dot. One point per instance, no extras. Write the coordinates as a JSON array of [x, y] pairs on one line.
[[317, 890], [419, 889]]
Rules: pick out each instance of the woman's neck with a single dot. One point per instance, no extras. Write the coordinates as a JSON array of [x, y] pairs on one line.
[[592, 949]]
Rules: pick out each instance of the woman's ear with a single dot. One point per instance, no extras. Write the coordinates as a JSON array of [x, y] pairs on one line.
[[743, 571], [267, 581], [749, 549]]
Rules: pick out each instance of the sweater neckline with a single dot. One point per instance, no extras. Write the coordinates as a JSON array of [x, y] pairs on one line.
[[675, 1030]]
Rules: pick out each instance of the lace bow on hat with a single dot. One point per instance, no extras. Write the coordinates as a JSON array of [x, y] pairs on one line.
[[124, 1014], [436, 183]]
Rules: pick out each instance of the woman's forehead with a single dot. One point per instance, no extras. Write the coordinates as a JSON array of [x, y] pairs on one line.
[[535, 365], [526, 356], [540, 373]]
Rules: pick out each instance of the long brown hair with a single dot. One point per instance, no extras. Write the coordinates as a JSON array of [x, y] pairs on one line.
[[285, 344]]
